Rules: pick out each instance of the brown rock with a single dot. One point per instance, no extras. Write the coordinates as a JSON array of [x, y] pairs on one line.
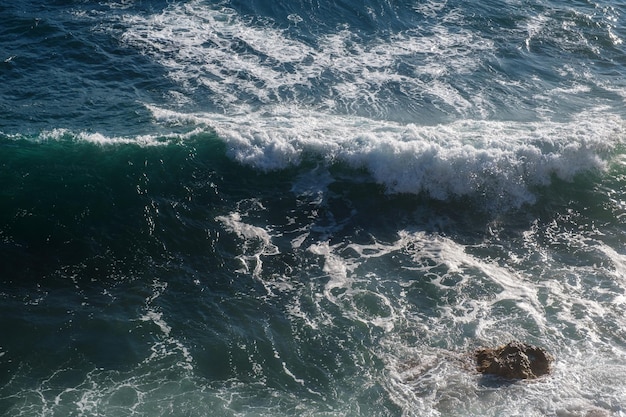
[[515, 360]]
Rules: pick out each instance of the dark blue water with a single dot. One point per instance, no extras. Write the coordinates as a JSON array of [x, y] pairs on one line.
[[248, 208]]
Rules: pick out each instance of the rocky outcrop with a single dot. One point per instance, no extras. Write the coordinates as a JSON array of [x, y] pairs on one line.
[[514, 360]]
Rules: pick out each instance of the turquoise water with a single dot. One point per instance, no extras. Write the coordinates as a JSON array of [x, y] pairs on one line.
[[250, 208]]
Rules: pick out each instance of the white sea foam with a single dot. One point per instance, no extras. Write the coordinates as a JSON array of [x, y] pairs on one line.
[[500, 160], [486, 303], [243, 64], [97, 138], [246, 231], [257, 243], [334, 266], [157, 318], [278, 97], [239, 64], [445, 262]]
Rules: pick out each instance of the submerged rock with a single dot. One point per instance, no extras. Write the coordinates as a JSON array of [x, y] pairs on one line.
[[514, 360]]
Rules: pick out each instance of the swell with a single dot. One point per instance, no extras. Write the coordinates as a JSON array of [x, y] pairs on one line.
[[69, 201]]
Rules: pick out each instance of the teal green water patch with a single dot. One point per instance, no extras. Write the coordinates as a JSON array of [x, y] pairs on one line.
[[69, 199]]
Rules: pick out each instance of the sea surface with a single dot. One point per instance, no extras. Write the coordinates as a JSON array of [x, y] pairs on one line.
[[310, 208]]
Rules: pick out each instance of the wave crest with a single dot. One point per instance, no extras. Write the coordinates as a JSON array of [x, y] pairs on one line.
[[498, 160]]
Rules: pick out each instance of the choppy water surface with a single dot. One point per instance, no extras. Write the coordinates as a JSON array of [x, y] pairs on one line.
[[248, 208]]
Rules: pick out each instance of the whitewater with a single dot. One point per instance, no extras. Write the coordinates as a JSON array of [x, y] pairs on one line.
[[254, 208]]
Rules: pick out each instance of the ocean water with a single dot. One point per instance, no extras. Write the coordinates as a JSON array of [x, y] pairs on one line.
[[309, 208]]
